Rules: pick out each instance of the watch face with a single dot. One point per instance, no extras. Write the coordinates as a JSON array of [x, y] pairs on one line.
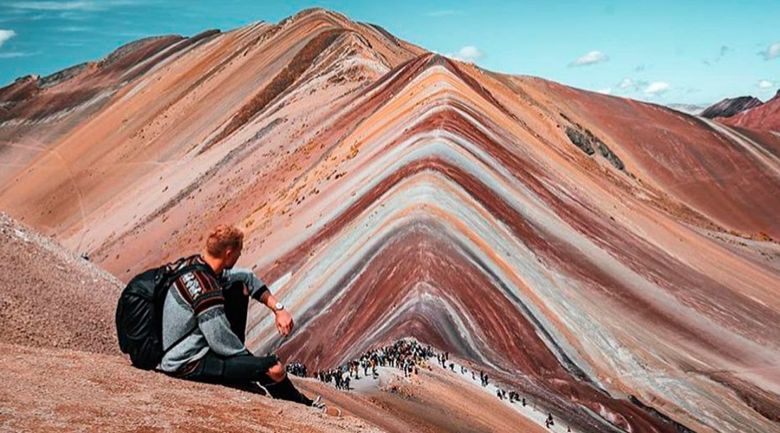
[[279, 306]]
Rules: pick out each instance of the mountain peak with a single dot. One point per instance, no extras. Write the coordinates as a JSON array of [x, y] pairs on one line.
[[730, 106], [316, 13]]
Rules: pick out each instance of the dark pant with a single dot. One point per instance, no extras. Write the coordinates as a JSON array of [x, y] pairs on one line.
[[236, 369], [236, 307], [233, 370], [242, 371]]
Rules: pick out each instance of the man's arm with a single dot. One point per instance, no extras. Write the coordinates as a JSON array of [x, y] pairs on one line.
[[256, 288], [253, 286]]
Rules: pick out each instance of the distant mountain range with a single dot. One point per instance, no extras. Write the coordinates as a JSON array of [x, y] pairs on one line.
[[743, 111], [688, 108]]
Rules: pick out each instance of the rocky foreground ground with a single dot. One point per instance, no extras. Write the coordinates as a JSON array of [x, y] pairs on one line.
[[47, 390], [51, 297]]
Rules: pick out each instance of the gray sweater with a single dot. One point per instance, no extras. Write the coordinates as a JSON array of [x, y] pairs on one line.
[[195, 304]]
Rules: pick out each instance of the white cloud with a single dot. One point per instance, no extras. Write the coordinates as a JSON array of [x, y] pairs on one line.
[[631, 85], [54, 5], [724, 49], [591, 58], [772, 51], [765, 84], [70, 5], [15, 54], [469, 53], [6, 35], [657, 88]]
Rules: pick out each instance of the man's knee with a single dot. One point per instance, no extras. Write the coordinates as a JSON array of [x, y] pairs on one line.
[[276, 372]]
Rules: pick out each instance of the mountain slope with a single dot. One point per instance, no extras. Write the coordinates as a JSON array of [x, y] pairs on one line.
[[613, 259]]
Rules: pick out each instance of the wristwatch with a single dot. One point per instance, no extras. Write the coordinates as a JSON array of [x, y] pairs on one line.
[[278, 306]]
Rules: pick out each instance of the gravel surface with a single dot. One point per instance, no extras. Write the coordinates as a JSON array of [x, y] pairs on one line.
[[50, 297], [46, 390]]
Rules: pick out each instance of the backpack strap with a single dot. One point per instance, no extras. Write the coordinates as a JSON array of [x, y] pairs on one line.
[[189, 268], [170, 278]]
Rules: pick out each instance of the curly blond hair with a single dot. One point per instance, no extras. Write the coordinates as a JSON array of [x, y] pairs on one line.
[[223, 237]]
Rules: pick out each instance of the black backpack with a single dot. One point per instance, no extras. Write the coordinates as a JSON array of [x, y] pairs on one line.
[[139, 314]]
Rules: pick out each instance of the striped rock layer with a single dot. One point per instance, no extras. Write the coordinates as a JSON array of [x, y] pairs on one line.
[[616, 260]]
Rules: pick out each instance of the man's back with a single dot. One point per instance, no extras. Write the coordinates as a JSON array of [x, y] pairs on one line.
[[194, 310]]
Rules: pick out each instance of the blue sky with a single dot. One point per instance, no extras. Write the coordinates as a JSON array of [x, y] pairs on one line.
[[681, 51]]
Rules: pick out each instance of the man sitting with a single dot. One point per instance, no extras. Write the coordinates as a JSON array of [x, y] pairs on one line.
[[205, 313]]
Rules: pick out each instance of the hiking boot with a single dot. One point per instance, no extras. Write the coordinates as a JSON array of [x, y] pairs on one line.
[[327, 410]]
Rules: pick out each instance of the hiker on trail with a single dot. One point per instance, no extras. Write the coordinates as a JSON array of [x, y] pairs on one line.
[[484, 378], [297, 368], [204, 322]]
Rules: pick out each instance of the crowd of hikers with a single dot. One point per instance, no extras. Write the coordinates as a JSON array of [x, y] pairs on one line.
[[297, 369], [406, 355]]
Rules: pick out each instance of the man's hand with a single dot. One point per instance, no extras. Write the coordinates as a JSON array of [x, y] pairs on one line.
[[284, 322]]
